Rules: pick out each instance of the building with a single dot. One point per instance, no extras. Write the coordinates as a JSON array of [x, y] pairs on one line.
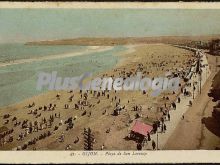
[[215, 47]]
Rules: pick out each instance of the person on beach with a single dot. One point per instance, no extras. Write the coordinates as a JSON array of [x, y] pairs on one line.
[[174, 105], [184, 93], [139, 146], [153, 145], [103, 146], [190, 103], [168, 116], [148, 136], [155, 127], [76, 140], [164, 128], [162, 120], [178, 100], [58, 96], [194, 88]]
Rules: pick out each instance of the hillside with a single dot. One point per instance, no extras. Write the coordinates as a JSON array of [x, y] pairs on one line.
[[124, 41]]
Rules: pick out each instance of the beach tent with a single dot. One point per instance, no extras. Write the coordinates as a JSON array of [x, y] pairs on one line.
[[141, 128]]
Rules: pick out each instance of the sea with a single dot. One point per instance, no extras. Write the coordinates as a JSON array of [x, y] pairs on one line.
[[18, 81]]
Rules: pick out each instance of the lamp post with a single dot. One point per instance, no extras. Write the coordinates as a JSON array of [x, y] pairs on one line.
[[193, 86], [200, 82], [206, 66], [157, 139], [200, 74]]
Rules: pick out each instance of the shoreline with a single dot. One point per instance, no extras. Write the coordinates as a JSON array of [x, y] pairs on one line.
[[93, 49], [90, 49]]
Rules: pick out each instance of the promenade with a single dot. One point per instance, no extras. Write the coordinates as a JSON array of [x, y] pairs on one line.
[[177, 115]]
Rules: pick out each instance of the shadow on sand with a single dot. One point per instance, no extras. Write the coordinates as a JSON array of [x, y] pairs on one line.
[[212, 125]]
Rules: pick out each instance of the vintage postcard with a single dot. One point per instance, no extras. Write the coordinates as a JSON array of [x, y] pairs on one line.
[[109, 82]]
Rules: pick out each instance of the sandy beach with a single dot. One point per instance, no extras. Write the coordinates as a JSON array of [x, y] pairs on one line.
[[103, 82], [109, 130]]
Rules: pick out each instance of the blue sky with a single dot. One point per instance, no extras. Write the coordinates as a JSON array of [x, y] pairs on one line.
[[22, 25]]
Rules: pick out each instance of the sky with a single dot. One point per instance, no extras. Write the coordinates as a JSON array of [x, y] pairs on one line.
[[23, 25]]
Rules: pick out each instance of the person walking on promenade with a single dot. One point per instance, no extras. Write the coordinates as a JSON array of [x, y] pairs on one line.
[[168, 116]]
